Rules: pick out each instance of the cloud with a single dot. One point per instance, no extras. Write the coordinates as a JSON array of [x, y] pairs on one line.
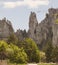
[[30, 3]]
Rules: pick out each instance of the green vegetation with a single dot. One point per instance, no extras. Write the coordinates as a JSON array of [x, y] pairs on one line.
[[12, 39], [31, 49], [16, 54], [3, 47], [12, 52], [51, 53], [48, 51], [42, 56], [56, 21], [26, 51], [55, 54]]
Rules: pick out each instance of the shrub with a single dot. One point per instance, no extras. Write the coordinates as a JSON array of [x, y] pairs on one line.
[[3, 47], [16, 54], [31, 49]]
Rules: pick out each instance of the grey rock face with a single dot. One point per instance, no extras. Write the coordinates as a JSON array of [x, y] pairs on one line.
[[21, 35], [46, 30], [39, 32], [6, 29], [33, 24]]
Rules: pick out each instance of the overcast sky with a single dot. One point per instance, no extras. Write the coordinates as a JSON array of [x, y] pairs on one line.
[[18, 11]]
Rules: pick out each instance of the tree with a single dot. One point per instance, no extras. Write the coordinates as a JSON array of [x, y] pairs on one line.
[[12, 39], [3, 47], [48, 51], [12, 52], [31, 49], [16, 54], [55, 54]]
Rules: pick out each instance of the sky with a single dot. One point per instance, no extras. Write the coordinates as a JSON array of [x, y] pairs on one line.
[[18, 11]]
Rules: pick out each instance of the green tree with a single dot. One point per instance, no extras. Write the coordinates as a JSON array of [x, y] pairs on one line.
[[31, 49], [12, 39], [48, 51], [55, 54], [3, 47], [16, 54]]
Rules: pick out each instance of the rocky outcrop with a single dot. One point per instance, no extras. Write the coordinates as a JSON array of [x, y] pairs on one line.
[[6, 29], [33, 24], [21, 34], [39, 32], [46, 30]]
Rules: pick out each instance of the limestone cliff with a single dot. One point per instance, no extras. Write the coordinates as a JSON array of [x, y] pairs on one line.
[[39, 32], [6, 29], [46, 30]]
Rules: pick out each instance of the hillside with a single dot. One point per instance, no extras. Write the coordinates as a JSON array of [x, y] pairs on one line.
[[6, 29]]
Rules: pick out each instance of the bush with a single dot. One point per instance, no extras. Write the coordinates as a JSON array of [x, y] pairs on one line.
[[42, 56], [16, 54], [12, 39], [31, 49], [12, 52], [56, 21], [3, 47], [55, 54], [49, 51]]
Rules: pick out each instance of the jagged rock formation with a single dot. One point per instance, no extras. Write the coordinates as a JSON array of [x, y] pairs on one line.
[[40, 33], [33, 24], [46, 30], [21, 34], [6, 29]]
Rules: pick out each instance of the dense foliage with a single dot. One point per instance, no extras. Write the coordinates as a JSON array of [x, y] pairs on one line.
[[12, 52], [56, 21], [26, 51], [55, 54], [48, 52], [16, 54], [31, 49], [12, 39], [21, 52], [51, 53], [3, 47]]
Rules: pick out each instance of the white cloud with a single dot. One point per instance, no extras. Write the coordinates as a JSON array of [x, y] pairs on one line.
[[30, 3]]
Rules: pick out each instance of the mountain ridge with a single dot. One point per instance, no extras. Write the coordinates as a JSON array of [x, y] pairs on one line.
[[39, 32]]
